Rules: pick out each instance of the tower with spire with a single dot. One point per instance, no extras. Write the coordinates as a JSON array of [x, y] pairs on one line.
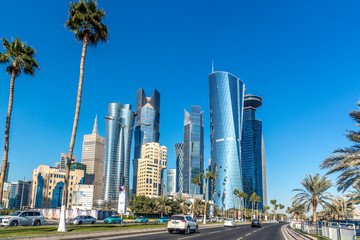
[[93, 157]]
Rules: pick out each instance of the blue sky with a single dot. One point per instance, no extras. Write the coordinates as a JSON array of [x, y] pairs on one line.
[[301, 57]]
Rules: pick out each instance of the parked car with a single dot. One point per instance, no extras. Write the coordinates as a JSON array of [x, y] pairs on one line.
[[182, 223], [22, 218], [141, 220], [229, 223], [213, 219], [113, 219], [256, 223], [82, 220], [220, 219], [162, 220]]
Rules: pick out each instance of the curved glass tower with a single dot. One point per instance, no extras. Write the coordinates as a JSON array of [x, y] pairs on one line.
[[119, 125], [226, 114]]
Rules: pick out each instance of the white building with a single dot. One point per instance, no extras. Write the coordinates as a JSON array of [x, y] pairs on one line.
[[171, 181], [83, 197]]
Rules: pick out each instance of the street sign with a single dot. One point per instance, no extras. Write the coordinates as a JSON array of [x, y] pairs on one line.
[[122, 204], [211, 210]]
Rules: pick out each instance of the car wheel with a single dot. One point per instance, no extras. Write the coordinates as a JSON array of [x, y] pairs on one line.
[[80, 222], [93, 222], [187, 230], [14, 223], [170, 232], [37, 223], [197, 229]]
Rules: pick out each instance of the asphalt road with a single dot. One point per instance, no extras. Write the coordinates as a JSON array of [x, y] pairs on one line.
[[269, 231]]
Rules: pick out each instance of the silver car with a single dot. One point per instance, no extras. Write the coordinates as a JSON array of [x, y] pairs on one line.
[[22, 218], [82, 220]]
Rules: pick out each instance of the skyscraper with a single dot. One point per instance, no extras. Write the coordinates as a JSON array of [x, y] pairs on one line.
[[253, 154], [147, 125], [193, 149], [93, 157], [119, 125], [226, 113], [19, 194], [179, 155], [63, 160], [171, 181], [151, 165]]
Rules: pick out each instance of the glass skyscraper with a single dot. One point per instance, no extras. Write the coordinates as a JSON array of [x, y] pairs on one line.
[[226, 114], [119, 125], [253, 155], [179, 155], [193, 149], [171, 181], [146, 126]]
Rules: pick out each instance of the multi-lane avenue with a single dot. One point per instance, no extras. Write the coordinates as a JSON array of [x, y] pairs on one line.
[[269, 231]]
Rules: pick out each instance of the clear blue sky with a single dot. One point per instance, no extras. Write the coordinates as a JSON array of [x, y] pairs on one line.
[[301, 57]]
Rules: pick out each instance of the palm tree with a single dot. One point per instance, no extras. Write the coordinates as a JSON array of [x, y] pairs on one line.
[[266, 209], [354, 195], [183, 208], [245, 196], [85, 21], [314, 193], [196, 181], [346, 161], [253, 198], [236, 194], [20, 58], [162, 205], [298, 209], [257, 200], [275, 209], [273, 202], [281, 207], [208, 175]]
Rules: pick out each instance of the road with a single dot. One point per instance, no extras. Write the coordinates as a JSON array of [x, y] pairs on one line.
[[269, 231]]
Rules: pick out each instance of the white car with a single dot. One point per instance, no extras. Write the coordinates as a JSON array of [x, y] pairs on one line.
[[182, 223], [229, 223], [22, 218]]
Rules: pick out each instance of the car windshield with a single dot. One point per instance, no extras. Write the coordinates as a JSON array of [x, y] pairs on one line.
[[177, 218], [229, 220], [16, 213]]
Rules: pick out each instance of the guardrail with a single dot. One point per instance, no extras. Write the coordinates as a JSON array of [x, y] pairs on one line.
[[331, 230]]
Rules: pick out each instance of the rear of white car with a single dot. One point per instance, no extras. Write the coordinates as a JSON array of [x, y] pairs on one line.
[[182, 223], [229, 223]]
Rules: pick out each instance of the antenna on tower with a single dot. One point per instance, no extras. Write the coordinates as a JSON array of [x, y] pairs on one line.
[[212, 66]]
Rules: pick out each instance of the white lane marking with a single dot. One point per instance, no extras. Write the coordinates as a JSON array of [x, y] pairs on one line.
[[282, 230], [132, 235], [247, 234], [215, 231], [186, 237], [239, 238]]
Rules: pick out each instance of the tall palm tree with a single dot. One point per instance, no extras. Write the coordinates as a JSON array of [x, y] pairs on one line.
[[266, 209], [257, 200], [346, 161], [207, 175], [273, 202], [236, 195], [298, 209], [20, 58], [196, 181], [313, 193], [281, 208], [252, 200], [162, 205], [183, 208], [85, 21], [245, 196]]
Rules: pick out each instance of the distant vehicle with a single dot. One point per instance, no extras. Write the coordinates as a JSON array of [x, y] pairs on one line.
[[220, 219], [182, 223], [22, 218], [162, 220], [82, 220], [141, 220], [229, 223], [256, 223], [213, 219], [113, 219]]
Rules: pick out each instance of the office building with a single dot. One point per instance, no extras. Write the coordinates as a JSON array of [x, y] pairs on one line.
[[252, 151], [83, 197], [19, 194], [146, 126], [226, 114], [93, 152], [63, 160], [171, 181], [179, 155], [151, 165], [48, 184], [193, 149], [119, 125]]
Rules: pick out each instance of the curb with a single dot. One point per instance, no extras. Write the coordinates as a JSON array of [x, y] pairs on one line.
[[297, 233]]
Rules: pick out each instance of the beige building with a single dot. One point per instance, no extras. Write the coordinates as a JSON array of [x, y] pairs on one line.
[[150, 167], [48, 184], [93, 157], [6, 195]]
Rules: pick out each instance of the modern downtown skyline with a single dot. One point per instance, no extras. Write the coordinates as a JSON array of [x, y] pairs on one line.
[[259, 47]]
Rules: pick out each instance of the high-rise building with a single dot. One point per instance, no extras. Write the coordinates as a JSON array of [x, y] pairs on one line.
[[63, 160], [179, 155], [119, 125], [171, 181], [146, 126], [193, 149], [252, 151], [151, 165], [48, 184], [19, 194], [226, 114], [6, 195], [93, 157]]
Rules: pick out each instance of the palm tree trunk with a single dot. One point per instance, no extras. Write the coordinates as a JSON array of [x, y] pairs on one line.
[[193, 205], [204, 222], [314, 213], [7, 134], [62, 222], [239, 207]]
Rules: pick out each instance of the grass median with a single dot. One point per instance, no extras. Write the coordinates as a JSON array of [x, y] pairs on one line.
[[48, 230]]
